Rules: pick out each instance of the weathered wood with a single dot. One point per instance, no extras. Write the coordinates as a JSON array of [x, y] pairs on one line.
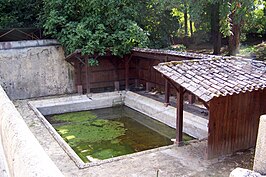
[[167, 93], [126, 71], [111, 69], [233, 122], [179, 116], [87, 76]]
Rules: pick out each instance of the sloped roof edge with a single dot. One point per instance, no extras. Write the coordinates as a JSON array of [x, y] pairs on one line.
[[215, 77]]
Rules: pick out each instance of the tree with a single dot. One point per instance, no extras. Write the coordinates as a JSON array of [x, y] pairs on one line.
[[20, 13], [94, 26], [215, 28], [231, 17], [234, 13], [156, 17], [256, 21]]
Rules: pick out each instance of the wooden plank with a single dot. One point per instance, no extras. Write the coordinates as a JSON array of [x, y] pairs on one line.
[[179, 116], [112, 68], [126, 71], [167, 93], [87, 76], [233, 122]]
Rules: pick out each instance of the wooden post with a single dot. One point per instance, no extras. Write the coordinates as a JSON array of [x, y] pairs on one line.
[[166, 90], [126, 71], [138, 71], [191, 98], [179, 116], [167, 93], [78, 70], [87, 77], [117, 85], [80, 89]]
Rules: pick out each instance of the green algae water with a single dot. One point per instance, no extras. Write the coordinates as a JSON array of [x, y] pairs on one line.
[[111, 132]]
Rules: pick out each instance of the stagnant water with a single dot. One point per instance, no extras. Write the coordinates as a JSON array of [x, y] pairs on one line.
[[111, 132]]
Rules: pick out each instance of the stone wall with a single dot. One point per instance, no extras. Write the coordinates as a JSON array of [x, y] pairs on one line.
[[260, 153], [28, 71], [23, 153]]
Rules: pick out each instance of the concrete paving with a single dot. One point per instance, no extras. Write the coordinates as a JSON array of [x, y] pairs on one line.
[[4, 171], [174, 161]]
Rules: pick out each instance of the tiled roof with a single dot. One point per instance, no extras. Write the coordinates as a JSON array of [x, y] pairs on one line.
[[172, 53], [214, 77]]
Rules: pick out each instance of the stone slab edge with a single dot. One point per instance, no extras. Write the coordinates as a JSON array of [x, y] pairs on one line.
[[79, 103], [135, 101], [24, 154], [27, 43], [193, 125]]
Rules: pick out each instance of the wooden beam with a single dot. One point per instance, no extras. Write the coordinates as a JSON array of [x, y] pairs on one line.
[[161, 57], [126, 71], [206, 104], [87, 75], [78, 70], [167, 93], [170, 82], [179, 116], [81, 60]]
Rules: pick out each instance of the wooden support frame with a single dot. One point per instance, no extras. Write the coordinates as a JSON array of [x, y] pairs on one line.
[[80, 60], [206, 104], [170, 82], [179, 116], [126, 72], [167, 94], [179, 110], [127, 60], [87, 75]]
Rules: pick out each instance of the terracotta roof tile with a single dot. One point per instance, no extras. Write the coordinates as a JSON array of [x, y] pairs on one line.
[[214, 77]]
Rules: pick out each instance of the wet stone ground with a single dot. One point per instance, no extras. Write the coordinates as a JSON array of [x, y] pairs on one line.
[[174, 161]]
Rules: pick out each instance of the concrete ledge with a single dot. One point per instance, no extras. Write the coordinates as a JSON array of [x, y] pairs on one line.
[[72, 104], [29, 43], [77, 103], [4, 170], [25, 156], [193, 125]]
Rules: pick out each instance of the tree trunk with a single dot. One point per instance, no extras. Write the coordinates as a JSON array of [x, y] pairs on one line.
[[191, 28], [186, 21], [234, 40], [215, 29]]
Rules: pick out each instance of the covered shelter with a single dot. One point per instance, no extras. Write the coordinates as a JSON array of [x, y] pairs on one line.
[[233, 91], [110, 71]]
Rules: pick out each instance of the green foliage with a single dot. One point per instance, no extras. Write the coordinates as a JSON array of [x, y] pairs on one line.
[[94, 26], [92, 131], [256, 20], [231, 12], [74, 117], [235, 12], [260, 51], [20, 13], [179, 48], [158, 19], [256, 51]]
